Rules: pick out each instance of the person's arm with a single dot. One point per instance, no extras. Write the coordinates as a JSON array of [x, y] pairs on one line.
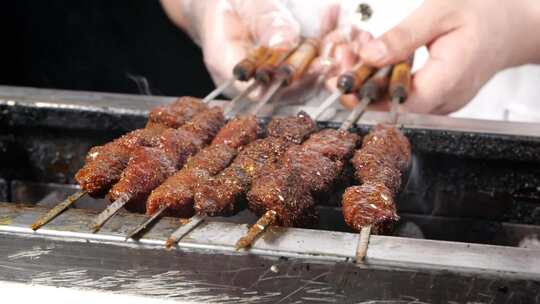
[[468, 41], [227, 29], [174, 10]]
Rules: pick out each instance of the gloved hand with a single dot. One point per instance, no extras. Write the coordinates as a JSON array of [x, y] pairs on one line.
[[468, 41], [345, 43], [227, 29]]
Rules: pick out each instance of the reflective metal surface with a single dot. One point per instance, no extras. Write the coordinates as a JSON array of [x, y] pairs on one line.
[[475, 182], [287, 242]]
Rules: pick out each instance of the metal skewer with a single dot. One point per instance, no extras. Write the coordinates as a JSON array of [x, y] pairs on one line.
[[363, 242], [371, 90], [347, 83], [398, 89], [218, 90], [400, 84], [111, 210], [267, 96], [242, 71], [234, 102], [179, 233], [291, 70], [146, 223], [61, 207], [263, 75], [195, 220]]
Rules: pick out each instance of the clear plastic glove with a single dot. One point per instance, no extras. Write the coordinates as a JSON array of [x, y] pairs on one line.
[[227, 29], [346, 43], [468, 41]]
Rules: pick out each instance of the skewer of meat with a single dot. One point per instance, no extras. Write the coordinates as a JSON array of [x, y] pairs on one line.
[[221, 194], [104, 164], [150, 166], [379, 164], [175, 194], [284, 193], [109, 161], [234, 180], [385, 155]]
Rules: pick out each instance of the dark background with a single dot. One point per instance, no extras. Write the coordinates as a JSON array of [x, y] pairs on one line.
[[98, 45]]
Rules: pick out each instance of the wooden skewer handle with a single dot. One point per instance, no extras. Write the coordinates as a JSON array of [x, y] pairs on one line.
[[351, 81], [245, 69], [376, 86], [400, 81], [297, 64], [269, 66]]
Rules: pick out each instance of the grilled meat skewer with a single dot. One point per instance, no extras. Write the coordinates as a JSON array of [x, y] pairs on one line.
[[316, 173], [175, 195], [154, 164], [281, 196], [104, 164], [384, 156], [218, 195], [177, 191]]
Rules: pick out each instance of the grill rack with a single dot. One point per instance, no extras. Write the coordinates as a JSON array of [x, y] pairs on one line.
[[478, 143]]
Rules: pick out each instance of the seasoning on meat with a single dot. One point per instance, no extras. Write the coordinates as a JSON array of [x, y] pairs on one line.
[[104, 164], [175, 145], [177, 191], [221, 194], [379, 164]]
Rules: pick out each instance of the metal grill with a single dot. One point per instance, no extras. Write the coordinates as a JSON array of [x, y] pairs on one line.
[[471, 206]]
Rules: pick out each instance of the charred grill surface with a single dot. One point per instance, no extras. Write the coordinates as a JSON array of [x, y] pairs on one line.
[[218, 195], [177, 191], [379, 164], [104, 164], [143, 175]]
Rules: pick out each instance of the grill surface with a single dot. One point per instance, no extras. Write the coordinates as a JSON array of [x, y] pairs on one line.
[[471, 182]]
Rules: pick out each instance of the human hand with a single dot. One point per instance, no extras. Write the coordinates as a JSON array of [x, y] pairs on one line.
[[468, 42], [227, 29]]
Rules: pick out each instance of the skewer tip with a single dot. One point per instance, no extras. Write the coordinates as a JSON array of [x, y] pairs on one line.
[[169, 243], [363, 242], [95, 228], [57, 210], [254, 231]]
